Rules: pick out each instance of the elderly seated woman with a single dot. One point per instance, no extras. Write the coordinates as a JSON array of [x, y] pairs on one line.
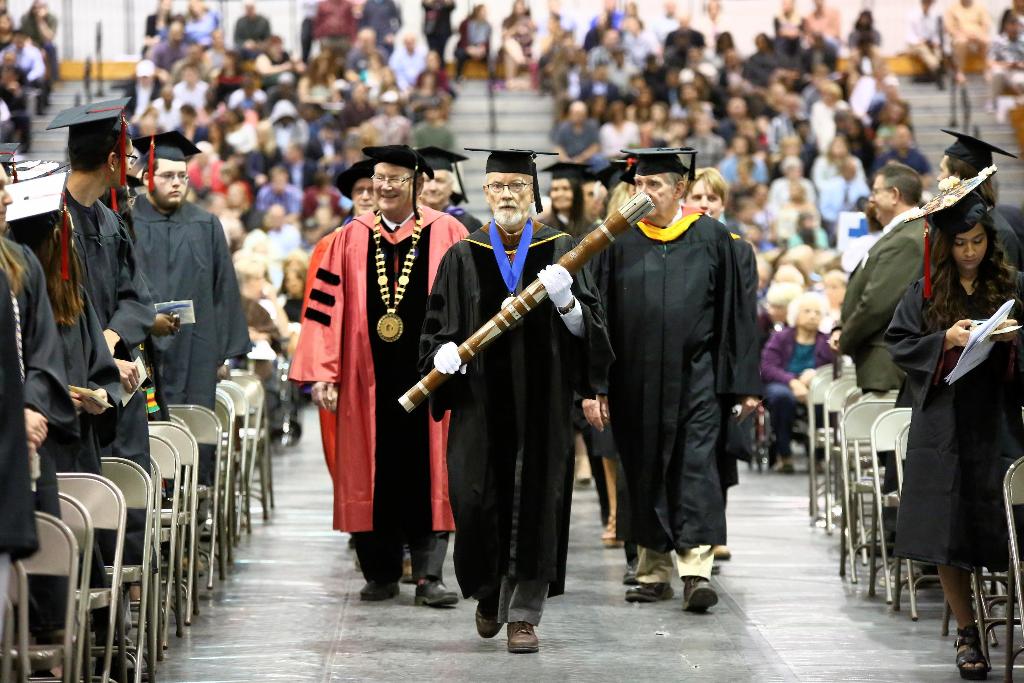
[[788, 362]]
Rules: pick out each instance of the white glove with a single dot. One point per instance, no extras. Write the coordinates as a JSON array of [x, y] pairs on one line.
[[447, 361], [558, 283]]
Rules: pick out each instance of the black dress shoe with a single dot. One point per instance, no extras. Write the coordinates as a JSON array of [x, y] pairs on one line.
[[649, 592], [375, 592], [698, 595], [629, 577], [433, 593], [487, 626]]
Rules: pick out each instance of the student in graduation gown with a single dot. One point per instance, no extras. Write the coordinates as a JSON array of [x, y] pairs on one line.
[[965, 435], [511, 437], [17, 509], [358, 346], [709, 193], [441, 193], [99, 150], [184, 255], [965, 158], [37, 223], [675, 283]]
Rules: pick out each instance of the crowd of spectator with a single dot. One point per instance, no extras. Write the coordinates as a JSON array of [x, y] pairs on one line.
[[798, 122]]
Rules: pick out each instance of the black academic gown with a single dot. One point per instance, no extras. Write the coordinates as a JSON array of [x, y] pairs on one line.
[[1008, 238], [185, 257], [122, 302], [46, 381], [736, 438], [510, 439], [684, 337], [88, 364], [963, 437], [17, 517]]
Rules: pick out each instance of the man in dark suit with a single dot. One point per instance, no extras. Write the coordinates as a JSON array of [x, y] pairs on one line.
[[880, 279]]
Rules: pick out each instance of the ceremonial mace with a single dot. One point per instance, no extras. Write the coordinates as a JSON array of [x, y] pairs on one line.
[[628, 215]]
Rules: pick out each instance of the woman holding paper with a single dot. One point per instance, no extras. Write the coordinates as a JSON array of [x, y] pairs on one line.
[[964, 433]]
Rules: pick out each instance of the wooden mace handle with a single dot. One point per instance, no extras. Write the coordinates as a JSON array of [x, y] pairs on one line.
[[628, 215]]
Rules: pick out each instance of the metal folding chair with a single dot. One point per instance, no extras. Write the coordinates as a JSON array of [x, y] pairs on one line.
[[238, 460], [137, 488], [260, 451], [165, 455], [107, 507], [820, 384], [884, 434], [205, 428], [224, 408], [77, 518], [57, 556], [188, 452], [1013, 495], [855, 431], [835, 398]]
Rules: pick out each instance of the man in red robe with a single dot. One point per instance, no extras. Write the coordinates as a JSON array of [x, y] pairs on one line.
[[359, 348]]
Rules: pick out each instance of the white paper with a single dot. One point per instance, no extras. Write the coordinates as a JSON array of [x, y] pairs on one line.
[[143, 376], [979, 345], [186, 313]]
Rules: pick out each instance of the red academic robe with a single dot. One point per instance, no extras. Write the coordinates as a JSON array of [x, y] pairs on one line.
[[339, 352]]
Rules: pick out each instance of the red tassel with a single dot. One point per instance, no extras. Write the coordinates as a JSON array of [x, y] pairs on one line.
[[927, 263], [122, 146], [113, 199], [151, 163], [65, 235]]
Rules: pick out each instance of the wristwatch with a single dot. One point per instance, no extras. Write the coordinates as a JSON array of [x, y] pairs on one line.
[[563, 310]]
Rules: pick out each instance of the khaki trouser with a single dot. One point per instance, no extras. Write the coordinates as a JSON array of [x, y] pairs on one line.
[[655, 567]]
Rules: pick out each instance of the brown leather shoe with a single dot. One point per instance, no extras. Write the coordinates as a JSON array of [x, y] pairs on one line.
[[521, 638], [698, 595], [486, 626]]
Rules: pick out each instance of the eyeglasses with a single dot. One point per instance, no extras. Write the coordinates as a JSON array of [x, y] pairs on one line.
[[170, 176], [131, 158], [498, 188], [361, 191], [391, 180]]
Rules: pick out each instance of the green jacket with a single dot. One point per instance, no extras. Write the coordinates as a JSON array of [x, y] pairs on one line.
[[875, 289]]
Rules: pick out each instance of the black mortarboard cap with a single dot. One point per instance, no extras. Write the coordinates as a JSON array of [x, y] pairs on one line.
[[97, 114], [347, 178], [441, 159], [962, 216], [7, 152], [515, 161], [956, 209], [611, 175], [569, 170], [975, 152], [93, 123], [170, 145], [400, 155], [37, 208], [655, 160]]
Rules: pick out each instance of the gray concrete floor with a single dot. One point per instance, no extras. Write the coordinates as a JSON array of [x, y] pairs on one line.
[[290, 611]]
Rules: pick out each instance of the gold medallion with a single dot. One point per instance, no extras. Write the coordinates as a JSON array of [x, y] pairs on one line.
[[507, 301], [382, 280], [389, 327], [403, 280]]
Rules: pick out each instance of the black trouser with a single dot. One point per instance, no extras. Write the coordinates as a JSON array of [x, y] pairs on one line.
[[437, 43], [380, 554], [306, 38]]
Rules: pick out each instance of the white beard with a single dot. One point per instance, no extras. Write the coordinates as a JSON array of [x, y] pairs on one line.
[[505, 217]]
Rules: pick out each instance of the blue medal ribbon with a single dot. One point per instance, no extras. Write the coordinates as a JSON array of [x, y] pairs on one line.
[[511, 272]]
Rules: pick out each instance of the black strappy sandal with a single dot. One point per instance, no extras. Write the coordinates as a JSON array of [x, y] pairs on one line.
[[968, 659]]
